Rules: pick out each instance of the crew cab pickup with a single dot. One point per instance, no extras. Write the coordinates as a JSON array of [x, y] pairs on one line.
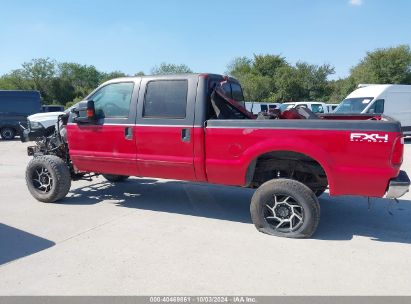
[[195, 128]]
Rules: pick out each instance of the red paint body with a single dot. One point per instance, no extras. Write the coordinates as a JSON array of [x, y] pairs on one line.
[[208, 148], [222, 155]]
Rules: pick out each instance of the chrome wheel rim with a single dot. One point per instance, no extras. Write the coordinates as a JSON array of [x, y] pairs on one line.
[[42, 180], [284, 214]]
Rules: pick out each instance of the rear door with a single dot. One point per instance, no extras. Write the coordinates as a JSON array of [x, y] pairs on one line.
[[165, 127], [108, 146]]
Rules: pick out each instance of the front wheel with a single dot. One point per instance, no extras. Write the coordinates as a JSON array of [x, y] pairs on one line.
[[48, 178], [8, 133], [286, 208]]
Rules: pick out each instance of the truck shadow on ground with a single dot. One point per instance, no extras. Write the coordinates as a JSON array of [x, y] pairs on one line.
[[15, 244], [342, 218]]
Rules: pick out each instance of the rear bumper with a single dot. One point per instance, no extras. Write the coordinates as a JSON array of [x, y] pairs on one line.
[[398, 186]]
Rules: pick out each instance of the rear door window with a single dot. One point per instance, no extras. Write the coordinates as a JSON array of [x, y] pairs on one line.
[[166, 98]]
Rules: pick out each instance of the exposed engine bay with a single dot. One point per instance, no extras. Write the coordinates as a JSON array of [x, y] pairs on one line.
[[51, 140]]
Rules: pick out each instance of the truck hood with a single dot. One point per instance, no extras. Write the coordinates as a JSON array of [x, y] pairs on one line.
[[46, 119]]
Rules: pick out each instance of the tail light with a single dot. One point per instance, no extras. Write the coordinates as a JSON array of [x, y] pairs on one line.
[[397, 151]]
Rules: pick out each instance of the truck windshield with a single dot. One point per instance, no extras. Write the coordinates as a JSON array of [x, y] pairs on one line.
[[353, 105]]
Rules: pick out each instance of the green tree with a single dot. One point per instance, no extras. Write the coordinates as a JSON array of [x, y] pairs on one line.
[[240, 66], [170, 68], [385, 65], [62, 90], [112, 75], [255, 87], [267, 65], [340, 88], [16, 80], [313, 81], [41, 72], [288, 85], [83, 78]]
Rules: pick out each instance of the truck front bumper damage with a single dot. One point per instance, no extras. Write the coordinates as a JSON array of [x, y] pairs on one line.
[[398, 186]]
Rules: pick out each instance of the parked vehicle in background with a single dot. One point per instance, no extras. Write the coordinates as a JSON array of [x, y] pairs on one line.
[[257, 107], [331, 107], [314, 106], [389, 99], [185, 127], [15, 106], [52, 108], [39, 125]]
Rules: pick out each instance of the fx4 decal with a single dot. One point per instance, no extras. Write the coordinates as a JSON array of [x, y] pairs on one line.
[[363, 137]]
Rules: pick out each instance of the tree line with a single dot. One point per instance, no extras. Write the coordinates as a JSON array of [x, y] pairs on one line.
[[264, 77]]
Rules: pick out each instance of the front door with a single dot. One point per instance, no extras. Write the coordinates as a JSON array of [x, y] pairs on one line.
[[165, 125], [108, 146]]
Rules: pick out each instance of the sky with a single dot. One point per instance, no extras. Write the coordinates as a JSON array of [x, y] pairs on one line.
[[133, 36]]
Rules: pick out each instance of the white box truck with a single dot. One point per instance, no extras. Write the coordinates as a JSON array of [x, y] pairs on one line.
[[388, 99]]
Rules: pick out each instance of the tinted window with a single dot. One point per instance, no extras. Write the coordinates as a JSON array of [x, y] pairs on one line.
[[317, 108], [264, 108], [227, 90], [113, 100], [377, 107], [237, 92], [166, 98]]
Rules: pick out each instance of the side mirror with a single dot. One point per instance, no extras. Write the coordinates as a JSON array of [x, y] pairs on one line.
[[85, 112]]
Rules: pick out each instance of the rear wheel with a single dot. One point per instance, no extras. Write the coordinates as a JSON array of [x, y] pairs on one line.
[[285, 208], [115, 178], [8, 133], [48, 178]]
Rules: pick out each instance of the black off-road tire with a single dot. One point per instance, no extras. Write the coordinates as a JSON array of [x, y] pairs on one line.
[[115, 178], [8, 133], [54, 167], [300, 195]]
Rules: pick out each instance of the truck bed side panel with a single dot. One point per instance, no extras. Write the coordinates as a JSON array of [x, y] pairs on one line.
[[354, 163]]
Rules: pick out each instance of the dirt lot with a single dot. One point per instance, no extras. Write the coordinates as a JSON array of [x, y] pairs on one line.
[[151, 237]]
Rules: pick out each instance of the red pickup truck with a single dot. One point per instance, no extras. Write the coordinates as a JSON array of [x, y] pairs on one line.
[[195, 128]]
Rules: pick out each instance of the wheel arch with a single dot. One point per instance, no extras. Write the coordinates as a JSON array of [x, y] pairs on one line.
[[303, 148]]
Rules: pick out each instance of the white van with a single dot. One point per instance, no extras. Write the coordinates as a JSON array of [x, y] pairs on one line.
[[314, 106], [257, 107], [331, 107], [389, 99]]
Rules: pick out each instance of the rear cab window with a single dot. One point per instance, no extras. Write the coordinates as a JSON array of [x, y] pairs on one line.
[[166, 98]]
